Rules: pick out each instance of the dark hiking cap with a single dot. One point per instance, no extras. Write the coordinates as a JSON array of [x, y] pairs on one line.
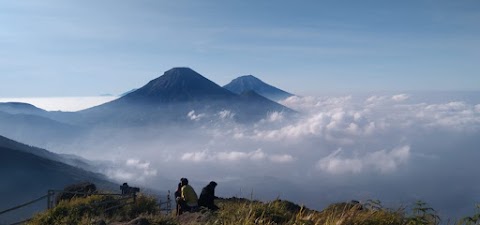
[[213, 183]]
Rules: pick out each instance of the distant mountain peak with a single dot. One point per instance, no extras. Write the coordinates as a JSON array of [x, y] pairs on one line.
[[180, 84], [181, 69], [249, 79], [183, 72], [245, 83], [249, 76]]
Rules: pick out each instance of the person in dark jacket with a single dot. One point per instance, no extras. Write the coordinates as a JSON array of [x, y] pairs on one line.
[[207, 196], [178, 194]]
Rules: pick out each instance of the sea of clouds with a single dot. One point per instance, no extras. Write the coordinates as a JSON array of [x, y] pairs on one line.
[[398, 148]]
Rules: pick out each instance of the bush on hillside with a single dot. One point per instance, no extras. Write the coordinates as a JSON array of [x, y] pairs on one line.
[[95, 208]]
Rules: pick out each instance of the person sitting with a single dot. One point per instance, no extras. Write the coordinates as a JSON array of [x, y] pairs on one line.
[[178, 194], [188, 199], [207, 196]]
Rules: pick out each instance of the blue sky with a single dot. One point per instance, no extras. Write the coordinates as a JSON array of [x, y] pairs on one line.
[[87, 48]]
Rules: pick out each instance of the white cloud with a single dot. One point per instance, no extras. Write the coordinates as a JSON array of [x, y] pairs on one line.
[[314, 104], [310, 126], [382, 161], [333, 164], [451, 115], [342, 120], [285, 158], [335, 124], [235, 156], [136, 163], [400, 97], [226, 114], [195, 156], [132, 170], [120, 175], [275, 117], [195, 117], [230, 156], [375, 99], [258, 155]]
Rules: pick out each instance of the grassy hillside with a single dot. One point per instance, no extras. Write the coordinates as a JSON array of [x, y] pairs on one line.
[[236, 211]]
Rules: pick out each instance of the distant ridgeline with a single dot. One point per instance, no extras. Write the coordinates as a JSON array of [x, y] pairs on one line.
[[166, 99]]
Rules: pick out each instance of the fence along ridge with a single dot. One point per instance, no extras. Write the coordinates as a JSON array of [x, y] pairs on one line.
[[52, 193], [25, 204]]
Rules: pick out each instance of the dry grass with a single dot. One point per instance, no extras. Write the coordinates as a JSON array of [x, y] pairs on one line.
[[236, 211]]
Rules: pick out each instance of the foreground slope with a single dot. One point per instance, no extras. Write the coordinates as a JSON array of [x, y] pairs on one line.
[[28, 173], [146, 211], [36, 129]]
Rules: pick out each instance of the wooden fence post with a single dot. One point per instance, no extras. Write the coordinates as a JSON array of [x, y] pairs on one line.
[[169, 203], [50, 199]]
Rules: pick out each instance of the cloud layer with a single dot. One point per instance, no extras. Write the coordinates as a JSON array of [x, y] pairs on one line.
[[397, 148], [233, 156], [382, 161]]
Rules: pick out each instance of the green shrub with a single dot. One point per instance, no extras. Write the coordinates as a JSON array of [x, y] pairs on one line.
[[75, 211], [422, 214], [144, 205], [472, 220]]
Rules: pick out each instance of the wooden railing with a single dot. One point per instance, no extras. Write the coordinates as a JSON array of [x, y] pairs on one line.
[[165, 206]]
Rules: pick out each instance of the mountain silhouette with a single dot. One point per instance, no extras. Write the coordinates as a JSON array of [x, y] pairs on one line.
[[127, 92], [180, 84], [251, 83], [253, 99], [259, 106], [21, 108], [71, 160], [165, 102], [170, 97]]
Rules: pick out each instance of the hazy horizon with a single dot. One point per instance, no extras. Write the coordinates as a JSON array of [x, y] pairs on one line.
[[77, 103]]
